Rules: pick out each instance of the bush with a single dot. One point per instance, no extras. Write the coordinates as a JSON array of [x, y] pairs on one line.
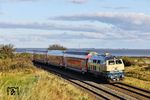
[[56, 47], [128, 61], [6, 51], [141, 73], [19, 62]]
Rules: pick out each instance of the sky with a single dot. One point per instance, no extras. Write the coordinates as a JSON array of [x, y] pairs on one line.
[[112, 24]]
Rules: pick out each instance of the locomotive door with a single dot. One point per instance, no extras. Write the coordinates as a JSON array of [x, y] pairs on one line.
[[84, 65]]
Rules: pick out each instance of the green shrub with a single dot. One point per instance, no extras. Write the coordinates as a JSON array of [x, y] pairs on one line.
[[128, 61], [7, 51], [142, 73], [56, 47], [19, 62]]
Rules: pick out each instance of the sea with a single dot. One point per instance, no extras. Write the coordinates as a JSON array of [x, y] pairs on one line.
[[115, 52]]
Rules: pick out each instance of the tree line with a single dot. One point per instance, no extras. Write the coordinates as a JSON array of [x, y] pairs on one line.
[[56, 47], [7, 50]]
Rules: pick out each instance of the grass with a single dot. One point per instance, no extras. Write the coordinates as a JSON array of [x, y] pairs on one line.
[[17, 79], [142, 73], [55, 88], [137, 82], [34, 83], [40, 85], [138, 73]]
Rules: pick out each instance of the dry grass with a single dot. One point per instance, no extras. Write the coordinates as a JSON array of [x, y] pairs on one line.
[[34, 83], [55, 88], [142, 73], [137, 82], [139, 73], [39, 85]]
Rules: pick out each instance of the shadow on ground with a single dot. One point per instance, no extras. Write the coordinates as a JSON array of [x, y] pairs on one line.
[[77, 75]]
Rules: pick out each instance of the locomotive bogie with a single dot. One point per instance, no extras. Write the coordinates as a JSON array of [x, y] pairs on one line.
[[114, 76]]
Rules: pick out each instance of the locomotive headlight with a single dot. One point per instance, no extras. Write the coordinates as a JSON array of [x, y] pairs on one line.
[[111, 76], [122, 75]]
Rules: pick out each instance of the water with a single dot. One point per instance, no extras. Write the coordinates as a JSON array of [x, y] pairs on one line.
[[126, 52], [116, 52]]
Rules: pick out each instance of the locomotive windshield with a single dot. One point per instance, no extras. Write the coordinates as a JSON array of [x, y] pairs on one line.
[[118, 61], [113, 62]]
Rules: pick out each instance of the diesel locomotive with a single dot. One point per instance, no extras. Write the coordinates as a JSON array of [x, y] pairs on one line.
[[106, 65]]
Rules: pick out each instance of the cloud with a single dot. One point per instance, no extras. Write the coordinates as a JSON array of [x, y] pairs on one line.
[[78, 1], [52, 26], [70, 40], [83, 31], [69, 36], [126, 21], [38, 38]]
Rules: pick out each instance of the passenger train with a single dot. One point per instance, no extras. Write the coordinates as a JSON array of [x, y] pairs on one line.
[[106, 65]]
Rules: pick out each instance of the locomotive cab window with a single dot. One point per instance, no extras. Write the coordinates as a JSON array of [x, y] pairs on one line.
[[111, 62], [98, 61], [118, 62], [94, 61]]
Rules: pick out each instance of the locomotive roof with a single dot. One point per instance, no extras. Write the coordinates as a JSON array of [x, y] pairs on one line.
[[108, 57]]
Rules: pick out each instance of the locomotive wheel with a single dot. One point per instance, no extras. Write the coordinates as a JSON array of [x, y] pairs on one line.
[[111, 81]]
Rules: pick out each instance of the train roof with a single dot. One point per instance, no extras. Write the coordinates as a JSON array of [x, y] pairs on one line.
[[75, 52], [40, 52], [84, 54], [79, 54], [55, 52]]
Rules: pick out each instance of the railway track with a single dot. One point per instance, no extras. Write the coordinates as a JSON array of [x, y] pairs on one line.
[[136, 92], [99, 91]]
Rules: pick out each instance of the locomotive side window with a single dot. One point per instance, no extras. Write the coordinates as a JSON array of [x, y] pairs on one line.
[[118, 62], [111, 62], [98, 61], [94, 61]]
